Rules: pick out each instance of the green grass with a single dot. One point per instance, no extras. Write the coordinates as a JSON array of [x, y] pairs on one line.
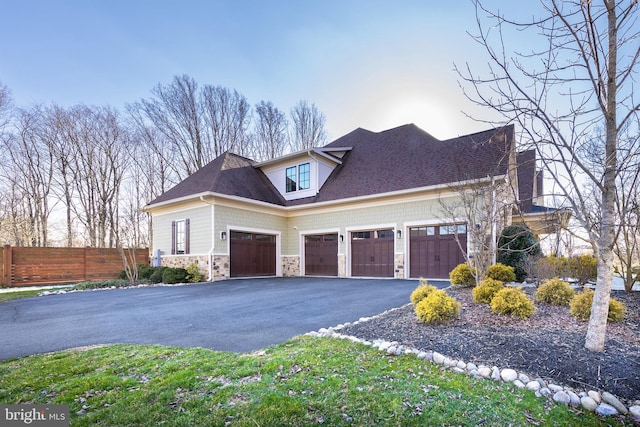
[[9, 296], [306, 381]]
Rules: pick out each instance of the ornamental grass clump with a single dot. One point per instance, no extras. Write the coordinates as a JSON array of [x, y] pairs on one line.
[[486, 290], [513, 302], [421, 292], [438, 307], [580, 307], [463, 275], [501, 272], [555, 291]]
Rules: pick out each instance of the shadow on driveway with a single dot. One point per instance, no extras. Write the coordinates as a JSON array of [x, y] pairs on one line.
[[235, 315]]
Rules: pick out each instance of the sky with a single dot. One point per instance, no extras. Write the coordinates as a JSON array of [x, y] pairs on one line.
[[364, 63]]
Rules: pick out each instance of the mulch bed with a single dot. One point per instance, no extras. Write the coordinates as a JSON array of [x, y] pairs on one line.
[[549, 345]]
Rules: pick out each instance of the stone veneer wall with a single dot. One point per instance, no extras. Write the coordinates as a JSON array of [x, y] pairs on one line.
[[221, 268], [290, 266], [399, 266], [342, 265]]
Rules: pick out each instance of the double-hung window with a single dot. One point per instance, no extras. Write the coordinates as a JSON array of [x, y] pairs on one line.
[[298, 177], [180, 237]]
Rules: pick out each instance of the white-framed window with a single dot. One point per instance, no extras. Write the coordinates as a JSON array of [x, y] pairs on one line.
[[298, 177], [180, 237]]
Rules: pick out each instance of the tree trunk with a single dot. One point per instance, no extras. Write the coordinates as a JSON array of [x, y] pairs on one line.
[[597, 328]]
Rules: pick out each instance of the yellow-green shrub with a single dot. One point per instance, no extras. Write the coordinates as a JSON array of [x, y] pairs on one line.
[[555, 291], [485, 291], [501, 272], [584, 268], [514, 302], [421, 292], [438, 307], [463, 275], [193, 273], [580, 307]]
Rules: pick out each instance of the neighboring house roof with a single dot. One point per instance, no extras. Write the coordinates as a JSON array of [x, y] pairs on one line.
[[398, 159]]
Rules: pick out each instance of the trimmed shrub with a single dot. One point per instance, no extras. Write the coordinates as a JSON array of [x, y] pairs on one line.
[[580, 307], [174, 275], [555, 291], [513, 302], [550, 267], [463, 275], [486, 290], [145, 271], [501, 272], [518, 247], [584, 268], [438, 307], [193, 273], [156, 275], [421, 292]]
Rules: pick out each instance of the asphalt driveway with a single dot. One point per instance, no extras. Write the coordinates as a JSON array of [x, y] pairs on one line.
[[234, 315]]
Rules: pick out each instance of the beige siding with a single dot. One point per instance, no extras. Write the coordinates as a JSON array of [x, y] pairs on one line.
[[395, 215], [200, 229], [250, 220]]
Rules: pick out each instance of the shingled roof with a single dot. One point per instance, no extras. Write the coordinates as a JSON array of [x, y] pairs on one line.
[[407, 157], [398, 159], [228, 174]]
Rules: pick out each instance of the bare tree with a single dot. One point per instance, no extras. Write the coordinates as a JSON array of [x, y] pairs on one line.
[[177, 113], [29, 168], [270, 131], [6, 103], [308, 126], [227, 115], [582, 77], [627, 243], [97, 140]]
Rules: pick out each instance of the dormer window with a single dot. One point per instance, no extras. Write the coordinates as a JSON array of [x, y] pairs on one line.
[[298, 177]]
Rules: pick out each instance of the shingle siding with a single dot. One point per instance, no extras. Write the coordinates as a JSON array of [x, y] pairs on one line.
[[199, 224]]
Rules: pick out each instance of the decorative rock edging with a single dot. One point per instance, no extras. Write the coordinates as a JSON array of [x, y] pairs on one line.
[[603, 404]]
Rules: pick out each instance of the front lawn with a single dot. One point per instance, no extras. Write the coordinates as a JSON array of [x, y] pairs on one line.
[[305, 381]]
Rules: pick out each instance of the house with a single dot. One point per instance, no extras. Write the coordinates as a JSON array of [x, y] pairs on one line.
[[369, 204]]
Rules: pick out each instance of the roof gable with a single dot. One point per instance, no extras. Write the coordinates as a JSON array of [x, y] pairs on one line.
[[228, 174]]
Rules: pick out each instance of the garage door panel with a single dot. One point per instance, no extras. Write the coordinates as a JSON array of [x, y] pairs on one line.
[[321, 255], [252, 254], [434, 251], [372, 253]]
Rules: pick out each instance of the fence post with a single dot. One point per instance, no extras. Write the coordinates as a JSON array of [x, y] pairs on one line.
[[6, 266]]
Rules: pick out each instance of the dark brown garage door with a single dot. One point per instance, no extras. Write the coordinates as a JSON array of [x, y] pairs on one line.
[[372, 253], [321, 255], [252, 254], [434, 251]]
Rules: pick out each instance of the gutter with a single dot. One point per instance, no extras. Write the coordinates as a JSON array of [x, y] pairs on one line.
[[213, 239]]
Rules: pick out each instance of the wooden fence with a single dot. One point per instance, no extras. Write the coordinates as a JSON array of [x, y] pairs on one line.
[[39, 266]]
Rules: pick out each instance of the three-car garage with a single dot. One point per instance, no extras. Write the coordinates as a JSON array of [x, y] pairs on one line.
[[432, 252]]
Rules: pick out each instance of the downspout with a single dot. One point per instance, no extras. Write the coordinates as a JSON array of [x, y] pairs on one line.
[[213, 238]]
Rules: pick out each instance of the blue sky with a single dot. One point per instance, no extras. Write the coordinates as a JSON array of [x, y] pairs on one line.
[[364, 63]]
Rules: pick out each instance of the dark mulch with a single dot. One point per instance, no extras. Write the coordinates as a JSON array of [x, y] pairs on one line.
[[549, 345]]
